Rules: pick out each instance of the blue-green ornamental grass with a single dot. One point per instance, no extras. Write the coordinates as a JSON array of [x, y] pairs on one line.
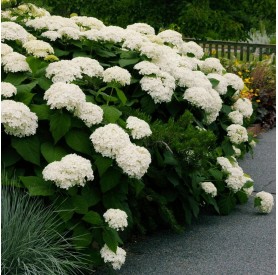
[[107, 119]]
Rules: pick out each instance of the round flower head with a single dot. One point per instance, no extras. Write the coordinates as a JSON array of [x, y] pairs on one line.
[[63, 95], [116, 218], [51, 35], [109, 140], [264, 202], [116, 259], [90, 113], [170, 36], [226, 164], [113, 34], [142, 28], [147, 68], [5, 49], [7, 89], [221, 87], [209, 188], [69, 33], [236, 117], [253, 143], [118, 75], [237, 151], [88, 22], [133, 40], [17, 119], [139, 128], [13, 31], [237, 134], [88, 66], [134, 160], [244, 106], [236, 179], [38, 48], [212, 65], [71, 170], [191, 47], [235, 81], [15, 62]]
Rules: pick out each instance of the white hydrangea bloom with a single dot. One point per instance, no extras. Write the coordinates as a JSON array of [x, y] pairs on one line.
[[17, 119], [109, 140], [51, 23], [89, 22], [71, 170], [134, 160], [92, 34], [237, 151], [244, 106], [13, 31], [5, 49], [236, 117], [88, 66], [7, 14], [116, 218], [191, 47], [226, 164], [139, 128], [209, 188], [237, 133], [147, 68], [211, 65], [113, 34], [90, 113], [253, 143], [7, 89], [236, 179], [63, 71], [51, 35], [63, 95], [190, 79], [15, 62], [116, 259], [117, 74], [170, 36], [133, 40], [151, 50], [38, 48], [266, 203], [69, 33], [234, 80], [221, 87], [248, 191], [142, 28]]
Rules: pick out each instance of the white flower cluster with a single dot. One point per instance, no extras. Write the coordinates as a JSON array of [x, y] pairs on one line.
[[116, 218], [113, 34], [38, 48], [134, 40], [266, 202], [7, 89], [51, 35], [209, 188], [208, 100], [70, 70], [69, 33], [88, 22], [117, 74], [237, 151], [142, 28], [112, 141], [211, 65], [13, 31], [15, 62], [244, 106], [17, 119], [30, 10], [5, 49], [221, 87], [147, 68], [139, 128], [71, 170], [191, 47], [253, 143], [235, 81], [170, 36], [116, 259], [237, 133], [236, 117]]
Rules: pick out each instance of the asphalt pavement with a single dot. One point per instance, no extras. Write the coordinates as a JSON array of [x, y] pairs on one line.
[[241, 243]]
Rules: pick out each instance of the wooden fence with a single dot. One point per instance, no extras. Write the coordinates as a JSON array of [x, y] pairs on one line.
[[240, 50]]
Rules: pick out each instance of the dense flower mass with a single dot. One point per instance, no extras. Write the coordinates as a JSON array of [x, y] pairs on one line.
[[38, 48], [5, 49], [209, 188], [13, 31], [244, 106], [17, 119], [117, 74], [15, 62], [71, 170], [142, 28], [211, 65], [88, 22], [236, 117], [171, 37], [63, 95], [116, 259], [221, 87], [237, 134], [116, 218], [7, 89], [266, 202], [139, 128], [235, 81]]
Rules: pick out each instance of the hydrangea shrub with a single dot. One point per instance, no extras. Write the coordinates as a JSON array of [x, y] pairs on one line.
[[119, 128]]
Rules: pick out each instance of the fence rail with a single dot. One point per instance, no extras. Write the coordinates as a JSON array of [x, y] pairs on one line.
[[242, 51]]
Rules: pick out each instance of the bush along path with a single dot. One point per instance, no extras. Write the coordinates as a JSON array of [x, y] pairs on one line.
[[123, 131]]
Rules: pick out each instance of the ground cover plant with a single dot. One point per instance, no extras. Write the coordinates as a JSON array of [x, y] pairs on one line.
[[121, 130]]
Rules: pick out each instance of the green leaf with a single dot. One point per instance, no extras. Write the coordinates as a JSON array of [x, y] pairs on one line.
[[110, 113], [59, 52], [16, 78], [148, 105], [227, 148], [248, 184], [226, 205], [28, 148], [79, 141], [113, 199], [242, 197], [80, 205], [125, 62], [110, 179], [82, 237], [226, 109], [59, 125], [37, 186], [35, 63], [103, 164], [218, 175], [9, 156], [52, 153], [214, 82], [173, 178], [138, 186], [91, 194], [25, 98], [26, 88], [257, 201], [93, 217], [110, 239], [42, 111], [194, 205], [104, 53], [65, 209], [121, 96], [44, 83], [169, 158]]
